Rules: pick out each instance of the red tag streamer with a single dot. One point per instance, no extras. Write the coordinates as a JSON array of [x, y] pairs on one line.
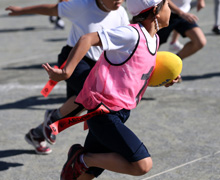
[[50, 84], [64, 123]]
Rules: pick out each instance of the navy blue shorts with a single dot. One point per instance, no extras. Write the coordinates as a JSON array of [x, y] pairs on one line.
[[77, 79], [176, 23], [107, 133]]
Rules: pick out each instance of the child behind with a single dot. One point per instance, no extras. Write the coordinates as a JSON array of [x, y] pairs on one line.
[[86, 16]]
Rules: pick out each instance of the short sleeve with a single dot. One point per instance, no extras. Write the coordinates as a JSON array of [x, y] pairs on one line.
[[119, 43], [122, 37]]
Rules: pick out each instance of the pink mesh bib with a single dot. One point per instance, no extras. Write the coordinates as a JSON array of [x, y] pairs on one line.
[[119, 86]]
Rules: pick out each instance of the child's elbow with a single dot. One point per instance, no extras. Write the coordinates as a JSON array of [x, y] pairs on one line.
[[91, 39], [84, 38]]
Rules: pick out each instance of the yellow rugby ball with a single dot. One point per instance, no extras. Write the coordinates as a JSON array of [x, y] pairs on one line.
[[168, 67]]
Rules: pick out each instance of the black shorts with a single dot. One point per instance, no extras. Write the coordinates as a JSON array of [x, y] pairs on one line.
[[108, 134], [176, 23], [77, 79]]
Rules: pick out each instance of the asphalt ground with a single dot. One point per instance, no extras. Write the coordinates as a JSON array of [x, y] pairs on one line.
[[179, 125]]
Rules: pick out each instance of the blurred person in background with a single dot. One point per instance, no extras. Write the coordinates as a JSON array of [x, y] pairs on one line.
[[185, 24]]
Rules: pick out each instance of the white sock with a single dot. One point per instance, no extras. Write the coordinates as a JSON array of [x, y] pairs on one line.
[[82, 160]]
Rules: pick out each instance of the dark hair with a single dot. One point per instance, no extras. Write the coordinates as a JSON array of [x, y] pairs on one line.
[[144, 15]]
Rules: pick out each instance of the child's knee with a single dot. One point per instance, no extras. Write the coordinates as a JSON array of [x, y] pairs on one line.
[[200, 43], [203, 42], [143, 166]]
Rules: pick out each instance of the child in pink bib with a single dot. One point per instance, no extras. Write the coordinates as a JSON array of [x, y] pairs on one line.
[[118, 80]]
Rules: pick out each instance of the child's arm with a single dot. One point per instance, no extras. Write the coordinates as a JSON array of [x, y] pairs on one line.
[[43, 9], [75, 56], [200, 4]]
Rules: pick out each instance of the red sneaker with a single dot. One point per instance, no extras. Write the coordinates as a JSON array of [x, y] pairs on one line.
[[73, 168]]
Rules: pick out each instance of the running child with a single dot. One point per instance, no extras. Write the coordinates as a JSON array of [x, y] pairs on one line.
[[86, 16], [117, 81]]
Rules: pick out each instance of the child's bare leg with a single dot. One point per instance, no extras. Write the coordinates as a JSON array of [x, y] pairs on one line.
[[69, 106], [85, 176], [116, 163], [197, 41], [175, 37]]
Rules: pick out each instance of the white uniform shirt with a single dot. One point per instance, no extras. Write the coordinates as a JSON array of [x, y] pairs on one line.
[[121, 41], [86, 17], [184, 5]]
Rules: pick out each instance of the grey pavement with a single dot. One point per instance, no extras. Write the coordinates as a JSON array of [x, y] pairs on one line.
[[179, 125]]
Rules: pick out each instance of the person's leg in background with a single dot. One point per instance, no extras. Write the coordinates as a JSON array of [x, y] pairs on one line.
[[216, 28], [59, 23], [197, 41], [175, 44]]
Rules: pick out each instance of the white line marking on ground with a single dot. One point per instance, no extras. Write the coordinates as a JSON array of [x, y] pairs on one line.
[[7, 87], [29, 58], [182, 165]]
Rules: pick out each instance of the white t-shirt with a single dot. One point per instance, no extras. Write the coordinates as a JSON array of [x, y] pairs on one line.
[[120, 42], [86, 17], [184, 5]]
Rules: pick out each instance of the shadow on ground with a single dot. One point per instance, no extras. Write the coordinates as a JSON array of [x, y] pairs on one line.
[[12, 152], [30, 102]]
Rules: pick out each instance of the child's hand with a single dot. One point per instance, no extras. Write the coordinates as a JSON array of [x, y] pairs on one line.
[[190, 17], [200, 4], [15, 10], [174, 81], [54, 74]]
